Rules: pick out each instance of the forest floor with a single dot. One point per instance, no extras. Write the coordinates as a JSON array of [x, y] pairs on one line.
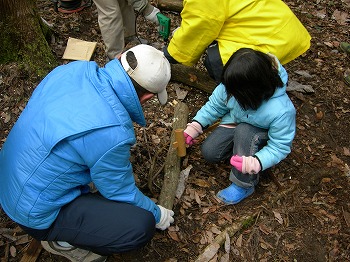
[[300, 211]]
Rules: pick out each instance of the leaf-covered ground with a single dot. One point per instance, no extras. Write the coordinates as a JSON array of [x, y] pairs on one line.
[[300, 210]]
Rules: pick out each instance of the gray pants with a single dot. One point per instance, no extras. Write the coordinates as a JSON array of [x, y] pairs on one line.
[[116, 19], [243, 140]]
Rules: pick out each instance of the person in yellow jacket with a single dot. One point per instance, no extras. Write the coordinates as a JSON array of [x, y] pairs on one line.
[[221, 27]]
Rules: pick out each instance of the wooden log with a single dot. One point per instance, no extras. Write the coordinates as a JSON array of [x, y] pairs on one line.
[[170, 5], [33, 251], [193, 77], [173, 161]]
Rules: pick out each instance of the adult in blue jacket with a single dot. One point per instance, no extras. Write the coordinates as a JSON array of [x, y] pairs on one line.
[[77, 128]]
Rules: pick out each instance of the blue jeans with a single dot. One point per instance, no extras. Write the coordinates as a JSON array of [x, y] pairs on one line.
[[102, 226], [243, 140]]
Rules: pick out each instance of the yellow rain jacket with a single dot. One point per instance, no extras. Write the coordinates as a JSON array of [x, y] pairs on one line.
[[267, 26]]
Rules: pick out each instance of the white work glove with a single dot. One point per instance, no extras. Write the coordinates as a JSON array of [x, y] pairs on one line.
[[166, 218], [150, 14]]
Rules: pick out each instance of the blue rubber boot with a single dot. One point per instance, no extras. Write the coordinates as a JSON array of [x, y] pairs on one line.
[[234, 194]]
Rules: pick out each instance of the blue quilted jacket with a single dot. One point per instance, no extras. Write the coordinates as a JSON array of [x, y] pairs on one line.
[[77, 128]]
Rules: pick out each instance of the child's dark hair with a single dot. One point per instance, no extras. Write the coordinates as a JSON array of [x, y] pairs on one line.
[[250, 77]]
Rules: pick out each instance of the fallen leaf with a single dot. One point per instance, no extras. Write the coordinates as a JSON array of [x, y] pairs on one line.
[[278, 217], [198, 200], [346, 216], [182, 181], [239, 241], [303, 73], [321, 13], [215, 230], [330, 216], [13, 251], [208, 253], [225, 257], [340, 17], [328, 44], [263, 228], [174, 236], [336, 162], [201, 183], [325, 180], [171, 260], [295, 86], [180, 93], [227, 243], [155, 139]]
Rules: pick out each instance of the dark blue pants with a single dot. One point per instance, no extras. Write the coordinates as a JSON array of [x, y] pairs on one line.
[[102, 226], [213, 62]]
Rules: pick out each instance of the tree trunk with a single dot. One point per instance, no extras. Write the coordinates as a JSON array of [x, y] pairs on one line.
[[170, 5], [173, 161], [192, 77], [22, 37]]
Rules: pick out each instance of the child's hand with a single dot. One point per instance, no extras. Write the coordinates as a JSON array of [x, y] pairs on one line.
[[189, 139], [192, 130], [246, 164]]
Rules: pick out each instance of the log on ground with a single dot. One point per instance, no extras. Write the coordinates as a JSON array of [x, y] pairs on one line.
[[173, 161]]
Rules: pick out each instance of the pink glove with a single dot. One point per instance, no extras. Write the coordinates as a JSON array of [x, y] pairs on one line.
[[192, 130], [246, 164]]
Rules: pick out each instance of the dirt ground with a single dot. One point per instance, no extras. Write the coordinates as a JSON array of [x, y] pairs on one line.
[[300, 210]]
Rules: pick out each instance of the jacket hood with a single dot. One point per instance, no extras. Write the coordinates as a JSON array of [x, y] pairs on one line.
[[124, 90]]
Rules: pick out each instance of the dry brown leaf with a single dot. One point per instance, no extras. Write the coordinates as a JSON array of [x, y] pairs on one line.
[[205, 210], [174, 236], [208, 253], [346, 216], [346, 151], [215, 230], [227, 244], [171, 260], [326, 180], [13, 251], [278, 217], [155, 139], [265, 245], [330, 216], [263, 228], [336, 162], [329, 44], [225, 258], [321, 13], [227, 216], [340, 17], [180, 93], [239, 241], [201, 183], [198, 200]]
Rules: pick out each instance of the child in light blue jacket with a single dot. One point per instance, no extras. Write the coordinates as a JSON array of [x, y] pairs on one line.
[[257, 120]]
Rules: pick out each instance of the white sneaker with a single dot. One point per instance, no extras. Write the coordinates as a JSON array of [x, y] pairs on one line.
[[72, 253]]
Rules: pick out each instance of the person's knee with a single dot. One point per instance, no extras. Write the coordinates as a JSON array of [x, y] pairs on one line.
[[243, 128], [209, 154], [145, 231]]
